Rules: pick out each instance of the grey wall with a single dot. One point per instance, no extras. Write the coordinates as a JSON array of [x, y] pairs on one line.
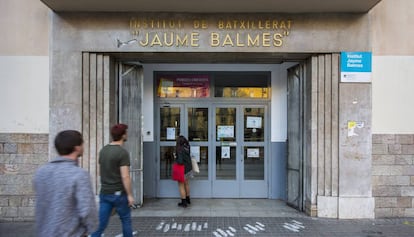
[[306, 32], [150, 170], [20, 155], [393, 175], [277, 169]]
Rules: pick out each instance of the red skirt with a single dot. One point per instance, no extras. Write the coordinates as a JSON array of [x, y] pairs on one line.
[[178, 172]]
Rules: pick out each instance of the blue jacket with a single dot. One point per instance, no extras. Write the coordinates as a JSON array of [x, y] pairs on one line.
[[65, 204]]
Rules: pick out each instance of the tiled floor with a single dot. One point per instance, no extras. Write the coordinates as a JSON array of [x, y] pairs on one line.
[[217, 208]]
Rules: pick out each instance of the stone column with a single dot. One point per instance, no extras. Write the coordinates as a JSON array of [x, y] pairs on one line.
[[355, 191]]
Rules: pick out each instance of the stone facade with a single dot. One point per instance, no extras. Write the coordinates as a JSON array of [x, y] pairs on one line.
[[20, 155], [393, 175]]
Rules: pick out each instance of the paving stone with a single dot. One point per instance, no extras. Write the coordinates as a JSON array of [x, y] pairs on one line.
[[244, 227]]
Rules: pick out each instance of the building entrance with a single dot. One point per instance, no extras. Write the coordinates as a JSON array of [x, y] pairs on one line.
[[228, 136]]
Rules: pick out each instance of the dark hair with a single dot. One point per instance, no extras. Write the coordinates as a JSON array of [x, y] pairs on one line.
[[65, 141], [181, 143], [118, 130]]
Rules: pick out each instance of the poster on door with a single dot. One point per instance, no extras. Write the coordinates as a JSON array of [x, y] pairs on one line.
[[225, 131], [253, 122], [195, 152], [225, 152], [253, 153], [171, 133]]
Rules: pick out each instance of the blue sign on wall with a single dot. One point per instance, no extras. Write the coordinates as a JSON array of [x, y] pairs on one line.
[[356, 66]]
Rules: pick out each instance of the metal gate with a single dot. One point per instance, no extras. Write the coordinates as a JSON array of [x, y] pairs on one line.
[[130, 113], [295, 137]]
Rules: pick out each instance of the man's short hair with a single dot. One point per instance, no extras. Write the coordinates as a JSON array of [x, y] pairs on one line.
[[66, 141], [118, 130]]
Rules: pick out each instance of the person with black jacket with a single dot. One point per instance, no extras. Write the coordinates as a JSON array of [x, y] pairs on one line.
[[183, 158]]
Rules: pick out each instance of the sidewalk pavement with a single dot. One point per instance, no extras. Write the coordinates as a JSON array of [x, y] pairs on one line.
[[235, 218], [243, 227]]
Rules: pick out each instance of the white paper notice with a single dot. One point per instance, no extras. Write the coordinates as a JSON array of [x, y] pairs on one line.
[[195, 152], [170, 133], [225, 152], [254, 122], [225, 131], [352, 127], [253, 152]]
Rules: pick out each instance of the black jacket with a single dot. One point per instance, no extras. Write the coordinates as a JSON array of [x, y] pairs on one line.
[[183, 158]]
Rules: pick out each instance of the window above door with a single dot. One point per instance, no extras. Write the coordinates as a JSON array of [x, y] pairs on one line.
[[250, 85]]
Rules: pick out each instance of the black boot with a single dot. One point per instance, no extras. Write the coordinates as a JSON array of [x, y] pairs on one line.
[[183, 203], [188, 199]]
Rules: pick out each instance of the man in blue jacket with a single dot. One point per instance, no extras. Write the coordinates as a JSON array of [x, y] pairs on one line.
[[65, 203]]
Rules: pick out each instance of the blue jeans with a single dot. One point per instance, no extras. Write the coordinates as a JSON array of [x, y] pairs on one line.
[[120, 203]]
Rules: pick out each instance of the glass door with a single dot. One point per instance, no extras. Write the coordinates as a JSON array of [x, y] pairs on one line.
[[240, 152], [225, 176], [170, 126], [253, 180], [198, 124], [192, 121]]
